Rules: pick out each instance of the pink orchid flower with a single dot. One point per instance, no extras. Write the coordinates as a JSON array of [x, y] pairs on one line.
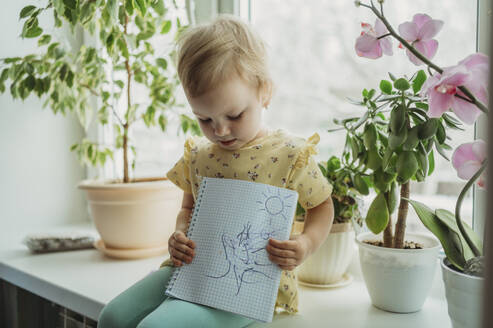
[[368, 43], [468, 158], [420, 33], [441, 89]]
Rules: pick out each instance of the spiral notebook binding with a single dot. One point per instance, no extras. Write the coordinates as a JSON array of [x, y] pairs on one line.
[[195, 211]]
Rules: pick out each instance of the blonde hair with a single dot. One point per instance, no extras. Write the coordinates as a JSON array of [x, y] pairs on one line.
[[210, 54]]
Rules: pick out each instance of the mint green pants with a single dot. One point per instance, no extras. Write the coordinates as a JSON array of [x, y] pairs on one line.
[[144, 305]]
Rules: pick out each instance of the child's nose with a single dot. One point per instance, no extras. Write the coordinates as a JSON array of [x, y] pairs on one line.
[[221, 130]]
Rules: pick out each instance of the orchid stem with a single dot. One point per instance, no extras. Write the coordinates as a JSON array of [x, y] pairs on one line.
[[462, 194], [472, 99]]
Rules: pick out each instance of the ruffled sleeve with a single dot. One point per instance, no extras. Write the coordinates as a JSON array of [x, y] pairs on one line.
[[180, 173], [306, 177]]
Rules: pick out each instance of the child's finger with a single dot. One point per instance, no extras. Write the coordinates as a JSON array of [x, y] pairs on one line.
[[183, 248], [285, 244], [180, 237], [191, 243], [182, 256], [280, 251], [285, 261]]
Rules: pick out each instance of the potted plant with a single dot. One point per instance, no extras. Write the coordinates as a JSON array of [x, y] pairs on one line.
[[393, 149], [101, 80], [327, 267]]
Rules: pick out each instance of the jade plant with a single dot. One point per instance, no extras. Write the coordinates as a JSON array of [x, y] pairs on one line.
[[392, 143], [395, 140], [89, 80]]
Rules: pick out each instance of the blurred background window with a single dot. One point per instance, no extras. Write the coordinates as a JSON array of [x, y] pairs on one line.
[[315, 70]]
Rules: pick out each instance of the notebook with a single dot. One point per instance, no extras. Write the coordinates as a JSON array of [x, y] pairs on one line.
[[231, 224]]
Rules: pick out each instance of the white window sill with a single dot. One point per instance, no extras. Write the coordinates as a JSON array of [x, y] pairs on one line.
[[84, 281]]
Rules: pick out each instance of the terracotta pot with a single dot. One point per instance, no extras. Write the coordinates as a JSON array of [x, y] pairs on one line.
[[133, 215], [331, 261]]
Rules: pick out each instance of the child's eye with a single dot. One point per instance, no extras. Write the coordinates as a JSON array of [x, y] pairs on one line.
[[204, 120], [236, 117]]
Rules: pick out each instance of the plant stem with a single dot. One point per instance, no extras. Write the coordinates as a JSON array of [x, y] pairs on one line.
[[472, 99], [129, 104], [458, 205], [97, 94], [400, 226], [387, 234]]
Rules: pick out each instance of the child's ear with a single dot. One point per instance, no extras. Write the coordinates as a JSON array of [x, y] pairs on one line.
[[266, 94]]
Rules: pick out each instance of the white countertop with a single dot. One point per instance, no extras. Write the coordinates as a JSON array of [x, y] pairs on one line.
[[85, 280]]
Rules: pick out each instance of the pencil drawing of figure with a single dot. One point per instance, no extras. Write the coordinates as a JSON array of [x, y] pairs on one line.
[[245, 253], [246, 256]]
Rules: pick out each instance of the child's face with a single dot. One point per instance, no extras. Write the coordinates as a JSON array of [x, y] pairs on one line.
[[231, 114]]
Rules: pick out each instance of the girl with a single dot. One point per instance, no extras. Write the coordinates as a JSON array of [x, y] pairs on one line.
[[222, 67]]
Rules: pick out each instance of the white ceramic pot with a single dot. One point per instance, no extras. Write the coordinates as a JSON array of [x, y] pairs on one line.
[[133, 215], [464, 297], [331, 261], [398, 280]]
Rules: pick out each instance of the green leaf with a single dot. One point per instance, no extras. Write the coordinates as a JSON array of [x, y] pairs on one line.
[[441, 151], [26, 11], [72, 4], [382, 180], [441, 231], [120, 84], [401, 84], [397, 118], [392, 77], [441, 134], [322, 169], [333, 164], [4, 75], [450, 221], [428, 129], [407, 165], [397, 139], [412, 139], [123, 47], [103, 115], [386, 87], [159, 7], [361, 185], [418, 81], [112, 9], [33, 32], [141, 6], [386, 158], [393, 197], [45, 39], [370, 136], [422, 157], [354, 147], [161, 62], [163, 122], [374, 161], [166, 27], [377, 217], [129, 7], [431, 161]]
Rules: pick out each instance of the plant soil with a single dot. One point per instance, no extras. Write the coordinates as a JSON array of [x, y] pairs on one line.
[[407, 244]]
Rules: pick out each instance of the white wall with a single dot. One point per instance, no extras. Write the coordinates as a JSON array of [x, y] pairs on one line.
[[38, 173]]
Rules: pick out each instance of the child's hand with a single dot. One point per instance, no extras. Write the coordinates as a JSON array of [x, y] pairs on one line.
[[288, 254], [181, 249]]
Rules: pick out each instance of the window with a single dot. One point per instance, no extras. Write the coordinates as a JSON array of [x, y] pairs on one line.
[[315, 67]]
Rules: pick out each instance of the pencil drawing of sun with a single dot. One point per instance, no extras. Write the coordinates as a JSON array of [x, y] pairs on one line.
[[274, 204]]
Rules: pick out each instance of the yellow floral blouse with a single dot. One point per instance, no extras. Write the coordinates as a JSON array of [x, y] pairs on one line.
[[278, 159]]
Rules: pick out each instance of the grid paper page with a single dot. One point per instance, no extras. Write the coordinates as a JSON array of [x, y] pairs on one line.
[[231, 225]]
